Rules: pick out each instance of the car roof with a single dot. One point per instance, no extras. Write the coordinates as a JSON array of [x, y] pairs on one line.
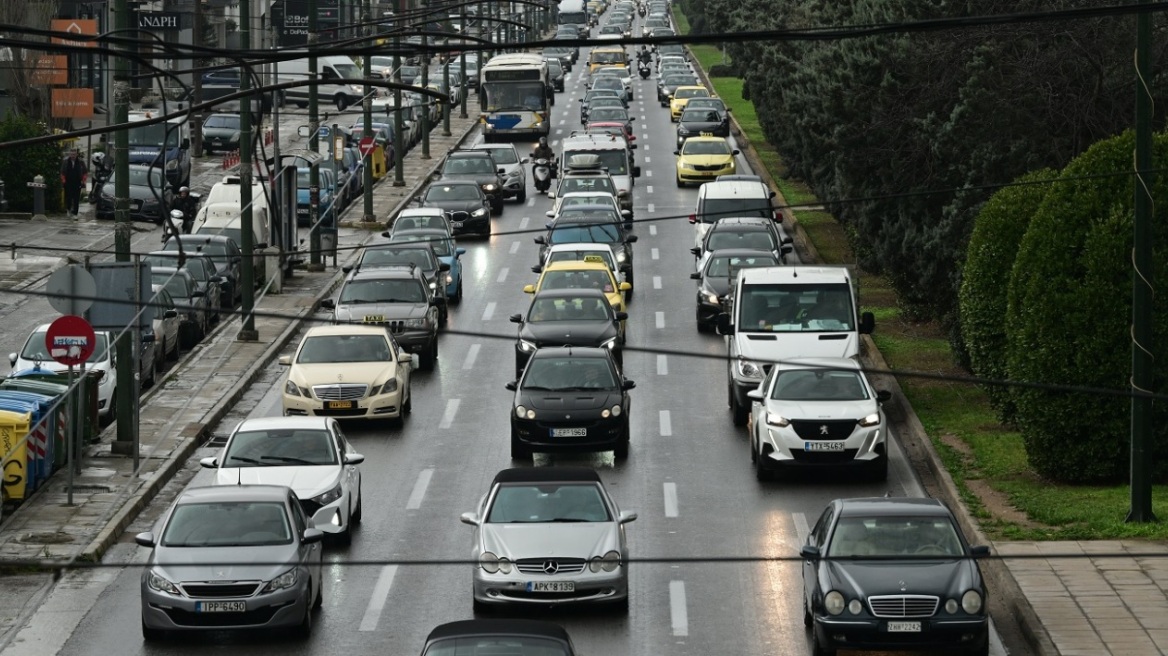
[[468, 152], [345, 329], [422, 231], [576, 265], [692, 86], [385, 273], [741, 221], [701, 138], [571, 293], [597, 207], [272, 423], [443, 182], [740, 252], [892, 506], [851, 364], [587, 220], [497, 626], [542, 474], [426, 211], [229, 493]]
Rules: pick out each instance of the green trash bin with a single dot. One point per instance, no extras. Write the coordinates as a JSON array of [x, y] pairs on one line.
[[90, 426], [47, 388]]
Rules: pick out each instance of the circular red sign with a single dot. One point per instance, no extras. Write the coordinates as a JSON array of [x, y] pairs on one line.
[[70, 340], [365, 145]]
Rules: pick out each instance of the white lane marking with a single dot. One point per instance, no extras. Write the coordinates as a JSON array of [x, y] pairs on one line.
[[662, 366], [656, 282], [653, 230], [561, 120], [666, 423], [377, 601], [523, 222], [472, 353], [451, 410], [647, 160], [531, 202], [651, 208], [801, 528], [559, 131], [645, 147], [649, 189], [419, 492], [489, 311], [648, 174], [514, 247], [502, 274], [671, 499], [660, 320], [678, 616], [654, 253]]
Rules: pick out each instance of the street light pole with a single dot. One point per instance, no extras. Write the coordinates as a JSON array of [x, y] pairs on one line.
[[123, 226], [461, 60], [425, 56], [367, 112], [247, 242], [315, 260], [398, 144]]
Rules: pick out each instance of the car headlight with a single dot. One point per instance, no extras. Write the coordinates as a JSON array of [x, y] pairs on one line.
[[526, 346], [608, 562], [609, 344], [615, 410], [482, 211], [750, 370], [971, 602], [159, 584], [449, 279], [389, 387], [292, 389], [493, 564], [775, 419], [682, 164], [524, 413], [833, 602], [488, 187], [172, 165], [433, 286], [328, 497], [283, 581], [713, 298], [621, 257], [682, 130], [414, 323], [951, 606], [871, 420]]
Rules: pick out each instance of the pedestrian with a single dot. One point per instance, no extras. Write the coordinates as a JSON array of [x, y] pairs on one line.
[[73, 173]]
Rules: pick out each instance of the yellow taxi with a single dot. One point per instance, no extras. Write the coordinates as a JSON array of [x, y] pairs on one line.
[[583, 274], [680, 99], [607, 56], [704, 158]]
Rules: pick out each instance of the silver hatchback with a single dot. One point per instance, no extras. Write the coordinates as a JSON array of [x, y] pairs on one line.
[[515, 175]]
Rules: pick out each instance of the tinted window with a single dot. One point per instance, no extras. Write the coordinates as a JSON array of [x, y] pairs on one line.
[[721, 266], [452, 192], [222, 121], [504, 155], [719, 208], [568, 309], [231, 524], [551, 502], [440, 246], [280, 447], [600, 234], [382, 291], [895, 536], [344, 348], [819, 385], [796, 308], [563, 374]]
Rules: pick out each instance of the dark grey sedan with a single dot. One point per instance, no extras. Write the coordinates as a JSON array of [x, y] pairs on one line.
[[221, 133], [150, 195], [701, 123], [464, 202]]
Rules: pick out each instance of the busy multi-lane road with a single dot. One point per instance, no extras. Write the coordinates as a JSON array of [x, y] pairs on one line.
[[688, 475]]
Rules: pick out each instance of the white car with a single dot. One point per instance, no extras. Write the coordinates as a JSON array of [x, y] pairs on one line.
[[817, 412], [577, 198], [308, 454], [34, 354], [624, 73], [350, 371]]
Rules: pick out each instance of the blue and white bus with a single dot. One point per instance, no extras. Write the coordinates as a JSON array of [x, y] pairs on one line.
[[515, 96]]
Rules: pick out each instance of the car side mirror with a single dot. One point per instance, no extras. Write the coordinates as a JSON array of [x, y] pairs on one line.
[[867, 323], [529, 289], [524, 161], [809, 552], [328, 304], [513, 385], [631, 239], [442, 266], [693, 218], [186, 143], [170, 314], [459, 251], [469, 518], [540, 240], [734, 152], [632, 118], [515, 318], [537, 268], [285, 360], [260, 245], [628, 385], [788, 240], [696, 250], [696, 275], [786, 250], [311, 536], [145, 539], [980, 551], [354, 458], [552, 195], [625, 286], [148, 338], [883, 396], [636, 170], [771, 195], [677, 152], [209, 463], [626, 213], [755, 394], [723, 324], [626, 517], [347, 268], [415, 361], [550, 214]]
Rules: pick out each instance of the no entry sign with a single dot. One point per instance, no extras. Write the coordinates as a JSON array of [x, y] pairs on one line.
[[70, 340]]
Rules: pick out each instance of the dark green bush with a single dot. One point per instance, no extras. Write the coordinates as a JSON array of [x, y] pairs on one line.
[[723, 70], [989, 260], [18, 165], [1069, 317]]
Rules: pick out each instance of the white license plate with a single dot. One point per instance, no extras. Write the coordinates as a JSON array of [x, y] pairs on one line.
[[456, 224], [904, 627], [220, 606], [823, 446], [569, 432], [551, 586]]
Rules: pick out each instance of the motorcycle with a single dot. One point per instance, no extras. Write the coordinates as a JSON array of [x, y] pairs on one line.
[[172, 226], [641, 11], [644, 70], [542, 172], [101, 175]]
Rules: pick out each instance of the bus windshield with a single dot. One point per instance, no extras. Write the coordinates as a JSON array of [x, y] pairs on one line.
[[514, 96]]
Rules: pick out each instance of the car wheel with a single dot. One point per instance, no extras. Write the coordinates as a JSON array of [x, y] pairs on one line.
[[738, 412], [304, 629], [879, 471], [621, 606], [761, 473], [408, 406], [345, 537], [459, 294], [319, 601], [153, 635], [818, 649], [479, 607], [496, 209], [522, 197], [621, 451], [430, 357], [808, 620], [519, 450], [680, 184], [342, 102], [355, 516], [703, 327]]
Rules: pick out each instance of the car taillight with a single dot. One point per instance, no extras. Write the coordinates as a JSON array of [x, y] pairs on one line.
[[778, 216], [693, 218]]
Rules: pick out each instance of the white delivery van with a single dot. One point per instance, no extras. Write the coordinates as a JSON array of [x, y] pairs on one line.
[[221, 214], [614, 154], [731, 196], [779, 313], [332, 67]]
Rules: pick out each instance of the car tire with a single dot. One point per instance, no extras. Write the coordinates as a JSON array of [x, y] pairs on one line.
[[430, 358], [522, 196], [496, 209], [304, 629], [153, 635], [620, 452], [519, 450], [319, 601], [480, 608], [621, 606], [345, 537], [703, 327], [879, 470], [342, 102], [408, 406], [737, 412], [818, 649], [761, 473], [808, 620], [680, 184], [458, 296], [355, 516]]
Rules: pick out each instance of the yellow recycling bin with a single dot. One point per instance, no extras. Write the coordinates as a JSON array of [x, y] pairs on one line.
[[14, 452], [377, 159]]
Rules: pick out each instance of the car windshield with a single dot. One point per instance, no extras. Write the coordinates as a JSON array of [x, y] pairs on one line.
[[615, 71], [356, 292], [612, 29], [608, 57], [144, 177], [281, 447], [719, 208], [439, 245], [704, 115], [452, 192], [375, 257], [608, 82], [229, 524], [216, 250], [174, 284], [894, 536], [596, 94], [229, 121], [548, 502], [568, 309], [757, 240], [819, 385], [690, 93], [509, 645], [573, 184], [796, 308], [703, 147], [236, 234], [593, 199], [679, 80], [36, 350], [606, 101], [616, 161], [584, 232], [326, 349], [728, 266], [196, 266], [567, 374], [504, 155], [588, 279], [468, 166], [154, 136], [715, 104]]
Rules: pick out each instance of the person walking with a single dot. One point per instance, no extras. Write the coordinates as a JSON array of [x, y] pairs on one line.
[[73, 172]]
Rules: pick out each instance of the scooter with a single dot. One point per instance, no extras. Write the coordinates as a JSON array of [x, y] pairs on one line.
[[101, 175], [644, 70], [542, 172]]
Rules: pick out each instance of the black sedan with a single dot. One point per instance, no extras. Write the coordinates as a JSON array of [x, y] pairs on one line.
[[568, 317], [570, 399], [701, 122], [718, 276], [581, 226], [465, 203], [668, 84], [498, 636], [150, 195], [221, 132], [893, 574]]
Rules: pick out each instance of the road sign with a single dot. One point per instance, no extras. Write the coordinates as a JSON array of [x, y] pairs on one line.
[[71, 290], [325, 132], [366, 145], [70, 340]]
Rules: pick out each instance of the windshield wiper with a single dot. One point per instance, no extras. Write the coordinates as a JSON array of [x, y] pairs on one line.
[[537, 388], [583, 389], [289, 459], [250, 461], [569, 520]]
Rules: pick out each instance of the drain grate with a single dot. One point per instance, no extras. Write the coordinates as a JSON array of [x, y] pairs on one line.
[[84, 487]]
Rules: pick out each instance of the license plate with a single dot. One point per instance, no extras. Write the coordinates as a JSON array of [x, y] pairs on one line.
[[340, 405], [456, 224], [904, 627], [551, 586], [569, 432], [823, 446], [374, 318], [220, 607]]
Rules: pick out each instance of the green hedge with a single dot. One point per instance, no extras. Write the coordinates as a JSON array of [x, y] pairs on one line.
[[1069, 317], [18, 166], [993, 246]]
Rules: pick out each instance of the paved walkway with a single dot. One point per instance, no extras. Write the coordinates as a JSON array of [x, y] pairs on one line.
[[192, 396]]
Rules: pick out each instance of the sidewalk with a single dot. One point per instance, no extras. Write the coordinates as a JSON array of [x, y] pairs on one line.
[[197, 391]]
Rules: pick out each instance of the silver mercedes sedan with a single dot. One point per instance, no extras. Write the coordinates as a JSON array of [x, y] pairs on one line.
[[548, 536], [232, 557]]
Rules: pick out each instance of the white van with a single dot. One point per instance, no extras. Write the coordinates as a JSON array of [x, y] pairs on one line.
[[779, 313], [332, 67], [614, 155], [221, 214], [731, 196]]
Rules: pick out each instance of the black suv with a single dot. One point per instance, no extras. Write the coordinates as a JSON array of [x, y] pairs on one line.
[[398, 297], [221, 132], [480, 167], [567, 317]]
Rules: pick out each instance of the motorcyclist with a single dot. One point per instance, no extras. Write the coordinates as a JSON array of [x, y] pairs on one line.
[[189, 206], [644, 56]]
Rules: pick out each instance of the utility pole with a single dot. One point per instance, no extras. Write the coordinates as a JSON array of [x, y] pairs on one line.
[[247, 332], [425, 99], [124, 350], [1142, 378], [367, 111], [315, 260], [462, 59], [446, 105], [197, 83], [398, 144]]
